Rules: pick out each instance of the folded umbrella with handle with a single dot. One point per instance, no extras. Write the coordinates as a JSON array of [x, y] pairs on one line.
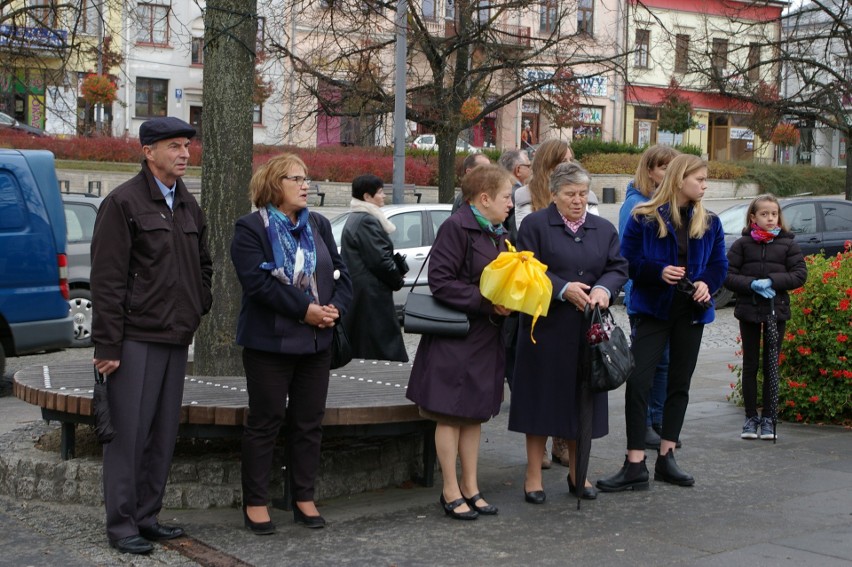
[[104, 430]]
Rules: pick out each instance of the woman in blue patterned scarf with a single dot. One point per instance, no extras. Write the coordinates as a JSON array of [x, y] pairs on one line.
[[295, 288]]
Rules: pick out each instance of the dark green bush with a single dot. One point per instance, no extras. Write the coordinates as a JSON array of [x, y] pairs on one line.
[[790, 180], [690, 149], [588, 146]]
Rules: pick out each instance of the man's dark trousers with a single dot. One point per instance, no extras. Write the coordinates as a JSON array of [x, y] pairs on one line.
[[145, 396]]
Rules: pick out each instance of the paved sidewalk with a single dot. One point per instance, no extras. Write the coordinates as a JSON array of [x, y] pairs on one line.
[[754, 503]]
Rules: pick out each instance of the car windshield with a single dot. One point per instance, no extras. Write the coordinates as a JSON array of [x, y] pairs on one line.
[[733, 219]]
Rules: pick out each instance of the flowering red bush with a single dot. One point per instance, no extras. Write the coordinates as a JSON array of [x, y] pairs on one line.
[[816, 372], [785, 134]]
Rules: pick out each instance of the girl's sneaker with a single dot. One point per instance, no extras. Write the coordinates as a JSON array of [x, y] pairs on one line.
[[766, 429], [750, 427]]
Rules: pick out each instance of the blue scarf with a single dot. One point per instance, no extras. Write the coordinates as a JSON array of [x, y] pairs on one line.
[[293, 249]]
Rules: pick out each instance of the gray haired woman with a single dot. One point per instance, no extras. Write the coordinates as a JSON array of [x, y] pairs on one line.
[[586, 268]]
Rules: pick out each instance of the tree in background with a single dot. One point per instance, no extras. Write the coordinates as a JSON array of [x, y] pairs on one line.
[[340, 54], [675, 111], [231, 47], [812, 62]]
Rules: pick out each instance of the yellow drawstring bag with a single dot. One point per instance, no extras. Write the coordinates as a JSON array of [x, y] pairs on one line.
[[517, 281]]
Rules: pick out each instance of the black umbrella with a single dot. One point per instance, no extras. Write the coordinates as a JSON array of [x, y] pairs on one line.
[[100, 409], [772, 344], [585, 415]]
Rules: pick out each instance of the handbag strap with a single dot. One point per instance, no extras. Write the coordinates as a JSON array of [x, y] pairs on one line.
[[594, 315], [468, 257]]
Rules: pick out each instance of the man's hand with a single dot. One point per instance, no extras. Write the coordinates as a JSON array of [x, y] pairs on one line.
[[106, 367]]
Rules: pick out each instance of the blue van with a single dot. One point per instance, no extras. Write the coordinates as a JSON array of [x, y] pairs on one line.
[[34, 312]]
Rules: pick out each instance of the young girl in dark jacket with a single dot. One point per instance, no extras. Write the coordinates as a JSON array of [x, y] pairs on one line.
[[762, 266]]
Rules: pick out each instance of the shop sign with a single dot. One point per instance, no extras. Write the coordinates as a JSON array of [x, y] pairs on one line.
[[589, 86], [530, 106], [590, 115], [741, 134], [32, 38]]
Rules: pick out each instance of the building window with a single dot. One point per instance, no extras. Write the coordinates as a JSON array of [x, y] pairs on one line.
[[483, 11], [548, 15], [197, 51], [681, 53], [43, 14], [257, 114], [753, 73], [449, 10], [429, 10], [89, 17], [260, 46], [153, 24], [585, 16], [643, 47], [720, 55], [152, 97]]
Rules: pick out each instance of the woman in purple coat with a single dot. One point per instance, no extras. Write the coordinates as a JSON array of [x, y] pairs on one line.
[[458, 382], [586, 268]]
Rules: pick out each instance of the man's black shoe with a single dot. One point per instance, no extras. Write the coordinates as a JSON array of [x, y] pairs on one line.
[[132, 544], [159, 532]]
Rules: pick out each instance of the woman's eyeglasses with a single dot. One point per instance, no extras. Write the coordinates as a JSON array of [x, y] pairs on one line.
[[299, 179]]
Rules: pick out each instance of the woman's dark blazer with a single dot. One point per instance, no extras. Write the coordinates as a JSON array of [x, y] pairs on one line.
[[544, 387], [271, 312], [461, 377]]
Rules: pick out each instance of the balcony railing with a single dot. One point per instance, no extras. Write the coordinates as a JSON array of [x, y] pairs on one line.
[[503, 34]]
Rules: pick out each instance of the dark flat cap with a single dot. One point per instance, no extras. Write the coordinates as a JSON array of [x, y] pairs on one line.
[[164, 128]]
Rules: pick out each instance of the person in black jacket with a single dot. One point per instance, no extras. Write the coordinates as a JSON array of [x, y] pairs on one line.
[[367, 250], [151, 278], [295, 288], [762, 266]]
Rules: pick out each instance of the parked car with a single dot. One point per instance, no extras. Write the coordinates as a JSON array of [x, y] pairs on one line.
[[7, 121], [821, 226], [33, 262], [430, 142], [416, 227], [80, 213]]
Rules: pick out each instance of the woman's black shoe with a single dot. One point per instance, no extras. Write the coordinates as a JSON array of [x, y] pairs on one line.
[[535, 497], [487, 510], [632, 476], [666, 469], [450, 509], [588, 492], [312, 522], [258, 528]]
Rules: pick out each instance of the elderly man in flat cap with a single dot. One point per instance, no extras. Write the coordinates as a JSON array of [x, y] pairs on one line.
[[150, 279]]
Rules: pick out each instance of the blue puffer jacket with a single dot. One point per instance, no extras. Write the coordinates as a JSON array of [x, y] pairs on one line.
[[632, 198], [648, 254]]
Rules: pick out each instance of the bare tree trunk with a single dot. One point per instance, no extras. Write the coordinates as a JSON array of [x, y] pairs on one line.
[[446, 166], [229, 58]]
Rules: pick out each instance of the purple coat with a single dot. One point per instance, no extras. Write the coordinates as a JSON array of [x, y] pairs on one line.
[[544, 388], [461, 377]]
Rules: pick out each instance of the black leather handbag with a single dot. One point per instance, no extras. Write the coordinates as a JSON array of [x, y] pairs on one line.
[[341, 350], [425, 315], [610, 359]]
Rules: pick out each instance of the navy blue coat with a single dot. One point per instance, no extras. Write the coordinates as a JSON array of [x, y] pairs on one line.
[[544, 387], [648, 254], [461, 377], [271, 313]]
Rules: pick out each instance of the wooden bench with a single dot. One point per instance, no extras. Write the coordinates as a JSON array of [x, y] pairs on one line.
[[365, 399], [409, 189], [315, 188]]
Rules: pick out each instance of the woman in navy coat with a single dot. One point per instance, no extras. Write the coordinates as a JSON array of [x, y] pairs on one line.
[[676, 252], [458, 382], [585, 267]]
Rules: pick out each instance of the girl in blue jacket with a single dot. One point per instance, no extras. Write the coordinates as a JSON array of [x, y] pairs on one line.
[[649, 174], [676, 254]]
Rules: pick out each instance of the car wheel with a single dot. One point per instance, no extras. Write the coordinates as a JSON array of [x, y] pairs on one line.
[[723, 297], [81, 311]]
